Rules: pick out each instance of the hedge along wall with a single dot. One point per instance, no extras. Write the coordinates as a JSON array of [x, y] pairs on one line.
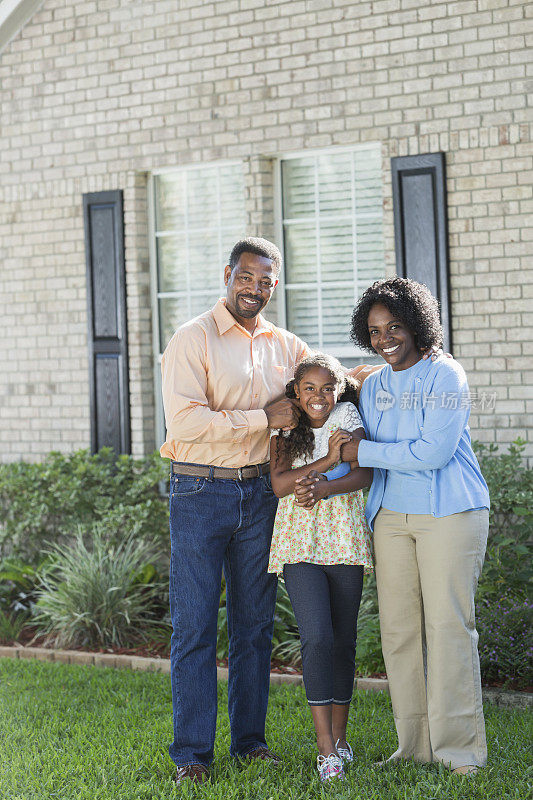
[[95, 95]]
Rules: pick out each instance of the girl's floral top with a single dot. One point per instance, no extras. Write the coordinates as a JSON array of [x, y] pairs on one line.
[[335, 530]]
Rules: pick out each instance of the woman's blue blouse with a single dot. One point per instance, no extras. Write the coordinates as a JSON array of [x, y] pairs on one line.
[[417, 425]]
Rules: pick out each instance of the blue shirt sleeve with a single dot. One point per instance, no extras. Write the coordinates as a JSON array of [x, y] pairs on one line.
[[446, 413], [339, 471]]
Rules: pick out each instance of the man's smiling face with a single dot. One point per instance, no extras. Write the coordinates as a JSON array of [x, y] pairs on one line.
[[249, 287]]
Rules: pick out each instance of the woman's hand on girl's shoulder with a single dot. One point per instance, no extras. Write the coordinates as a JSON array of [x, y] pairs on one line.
[[362, 371], [434, 352]]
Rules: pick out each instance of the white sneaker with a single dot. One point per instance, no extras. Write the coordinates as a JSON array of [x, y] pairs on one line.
[[345, 753], [329, 767]]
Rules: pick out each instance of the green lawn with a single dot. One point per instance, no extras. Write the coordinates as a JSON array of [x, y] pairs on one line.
[[82, 732]]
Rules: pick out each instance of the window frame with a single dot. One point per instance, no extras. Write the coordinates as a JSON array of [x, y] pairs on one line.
[[343, 351]]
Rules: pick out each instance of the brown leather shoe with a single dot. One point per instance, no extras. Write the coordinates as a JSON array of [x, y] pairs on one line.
[[197, 773], [263, 754]]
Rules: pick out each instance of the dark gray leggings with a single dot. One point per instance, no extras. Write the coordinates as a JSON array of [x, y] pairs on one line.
[[326, 601]]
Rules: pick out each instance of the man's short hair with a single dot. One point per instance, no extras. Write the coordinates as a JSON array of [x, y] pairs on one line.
[[261, 247]]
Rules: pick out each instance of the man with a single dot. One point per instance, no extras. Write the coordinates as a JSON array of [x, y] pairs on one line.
[[222, 373]]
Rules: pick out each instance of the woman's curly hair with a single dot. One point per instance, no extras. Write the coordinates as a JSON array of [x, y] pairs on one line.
[[411, 303], [301, 442]]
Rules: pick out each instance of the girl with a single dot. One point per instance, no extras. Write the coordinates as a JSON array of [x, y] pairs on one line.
[[322, 551]]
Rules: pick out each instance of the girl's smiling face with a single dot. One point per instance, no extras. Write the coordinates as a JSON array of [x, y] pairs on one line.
[[391, 338], [317, 392]]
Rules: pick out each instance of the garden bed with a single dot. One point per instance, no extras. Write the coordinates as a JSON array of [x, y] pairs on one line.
[[84, 565]]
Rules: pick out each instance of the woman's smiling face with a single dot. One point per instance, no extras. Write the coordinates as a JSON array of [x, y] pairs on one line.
[[317, 392], [391, 338]]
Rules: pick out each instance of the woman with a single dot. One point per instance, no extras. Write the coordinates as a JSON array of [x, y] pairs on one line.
[[428, 508]]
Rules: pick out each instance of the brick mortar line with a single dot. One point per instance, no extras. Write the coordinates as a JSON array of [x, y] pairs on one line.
[[144, 664]]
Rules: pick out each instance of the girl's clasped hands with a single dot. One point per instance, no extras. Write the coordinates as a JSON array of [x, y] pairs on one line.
[[314, 486]]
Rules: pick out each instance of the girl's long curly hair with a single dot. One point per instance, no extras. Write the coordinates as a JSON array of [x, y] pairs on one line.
[[301, 441]]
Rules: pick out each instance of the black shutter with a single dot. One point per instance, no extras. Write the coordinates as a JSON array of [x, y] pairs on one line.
[[106, 307], [421, 226]]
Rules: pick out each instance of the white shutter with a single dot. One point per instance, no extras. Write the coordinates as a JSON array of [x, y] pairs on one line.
[[336, 251], [300, 253], [175, 311], [302, 314], [170, 202], [171, 252], [298, 181], [337, 308], [334, 176]]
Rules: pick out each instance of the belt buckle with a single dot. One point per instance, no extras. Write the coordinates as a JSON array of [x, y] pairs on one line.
[[239, 473]]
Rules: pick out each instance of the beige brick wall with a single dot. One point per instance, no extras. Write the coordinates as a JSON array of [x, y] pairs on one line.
[[95, 94]]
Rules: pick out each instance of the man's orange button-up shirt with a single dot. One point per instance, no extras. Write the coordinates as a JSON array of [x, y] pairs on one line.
[[217, 377]]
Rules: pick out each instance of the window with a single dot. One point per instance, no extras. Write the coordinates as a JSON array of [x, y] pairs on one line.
[[197, 215], [331, 227]]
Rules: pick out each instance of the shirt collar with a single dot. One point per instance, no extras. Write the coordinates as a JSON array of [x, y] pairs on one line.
[[225, 321]]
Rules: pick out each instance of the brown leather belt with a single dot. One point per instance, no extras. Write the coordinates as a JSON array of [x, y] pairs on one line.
[[205, 471]]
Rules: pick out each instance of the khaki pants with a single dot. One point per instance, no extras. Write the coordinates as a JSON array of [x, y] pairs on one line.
[[427, 571]]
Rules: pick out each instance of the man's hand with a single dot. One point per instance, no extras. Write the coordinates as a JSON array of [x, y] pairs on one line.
[[309, 490], [282, 413], [350, 449]]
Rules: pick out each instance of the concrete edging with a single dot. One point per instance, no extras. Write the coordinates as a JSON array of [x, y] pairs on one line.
[[142, 663], [497, 697]]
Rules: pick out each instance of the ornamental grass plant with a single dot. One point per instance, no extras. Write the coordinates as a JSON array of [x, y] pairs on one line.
[[99, 594]]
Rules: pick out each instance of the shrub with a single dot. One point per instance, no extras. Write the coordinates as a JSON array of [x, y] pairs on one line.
[[505, 642], [11, 626], [369, 658], [18, 584], [98, 596], [510, 482], [45, 502]]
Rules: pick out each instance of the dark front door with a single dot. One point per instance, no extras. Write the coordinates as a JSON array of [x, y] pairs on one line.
[[106, 307]]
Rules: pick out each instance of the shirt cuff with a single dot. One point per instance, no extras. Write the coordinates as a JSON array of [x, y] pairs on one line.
[[364, 453], [257, 420]]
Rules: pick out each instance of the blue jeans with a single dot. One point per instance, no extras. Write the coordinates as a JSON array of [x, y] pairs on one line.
[[325, 599], [217, 524]]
